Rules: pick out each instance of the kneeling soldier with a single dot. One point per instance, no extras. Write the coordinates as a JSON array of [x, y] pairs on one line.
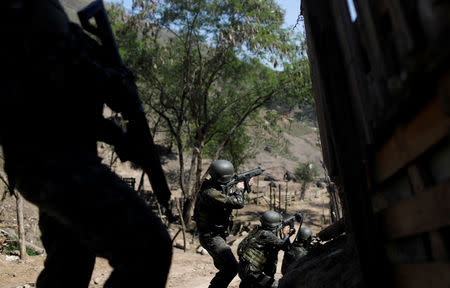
[[258, 252], [298, 249]]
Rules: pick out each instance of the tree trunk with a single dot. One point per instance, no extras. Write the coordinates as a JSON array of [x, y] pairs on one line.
[[192, 170], [21, 234], [303, 191], [190, 201], [183, 226], [181, 162]]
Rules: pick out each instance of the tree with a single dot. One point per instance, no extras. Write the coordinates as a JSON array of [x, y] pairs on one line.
[[202, 66], [305, 173]]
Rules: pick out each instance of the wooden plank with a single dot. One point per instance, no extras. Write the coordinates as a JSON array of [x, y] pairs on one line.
[[438, 248], [411, 140], [423, 212], [345, 149], [437, 245], [403, 36], [354, 68], [430, 275], [416, 179], [371, 36]]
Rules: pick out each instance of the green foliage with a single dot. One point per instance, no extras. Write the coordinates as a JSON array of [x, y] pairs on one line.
[[199, 66], [247, 198], [14, 246], [236, 150], [305, 172]]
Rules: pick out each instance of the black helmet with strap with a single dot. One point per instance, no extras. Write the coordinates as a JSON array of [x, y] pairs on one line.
[[271, 220], [305, 234], [221, 171]]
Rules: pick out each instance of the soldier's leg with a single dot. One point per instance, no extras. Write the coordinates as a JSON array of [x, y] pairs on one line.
[[254, 278], [224, 260], [69, 262], [246, 281], [120, 227]]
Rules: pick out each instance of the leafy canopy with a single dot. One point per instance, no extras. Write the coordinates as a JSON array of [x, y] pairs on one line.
[[203, 66]]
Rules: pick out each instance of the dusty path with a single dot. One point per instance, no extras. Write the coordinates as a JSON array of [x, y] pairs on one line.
[[189, 269]]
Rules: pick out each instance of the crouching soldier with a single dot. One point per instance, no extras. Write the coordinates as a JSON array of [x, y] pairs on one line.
[[258, 252], [298, 249]]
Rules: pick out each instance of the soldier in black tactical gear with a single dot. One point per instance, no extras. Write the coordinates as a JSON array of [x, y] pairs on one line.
[[212, 214], [298, 249], [258, 252], [51, 119]]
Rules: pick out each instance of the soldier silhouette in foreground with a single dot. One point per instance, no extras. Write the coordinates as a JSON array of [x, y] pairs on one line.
[[212, 214], [258, 252], [51, 119]]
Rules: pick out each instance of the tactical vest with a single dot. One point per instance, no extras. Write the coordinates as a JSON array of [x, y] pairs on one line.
[[210, 217], [252, 252]]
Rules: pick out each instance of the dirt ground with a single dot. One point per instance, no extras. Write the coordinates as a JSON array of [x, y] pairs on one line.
[[189, 269]]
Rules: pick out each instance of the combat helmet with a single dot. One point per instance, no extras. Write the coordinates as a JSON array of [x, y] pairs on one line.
[[305, 234], [221, 171], [271, 220]]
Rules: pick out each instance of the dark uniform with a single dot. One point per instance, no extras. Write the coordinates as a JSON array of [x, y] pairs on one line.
[[258, 256], [212, 214], [299, 248], [51, 120]]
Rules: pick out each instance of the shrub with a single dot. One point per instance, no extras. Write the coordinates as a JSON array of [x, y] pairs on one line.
[[305, 172], [14, 246]]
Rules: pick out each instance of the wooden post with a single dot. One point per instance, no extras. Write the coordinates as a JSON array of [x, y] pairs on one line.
[[19, 206], [270, 196], [258, 193], [141, 182], [279, 197], [19, 210], [286, 198], [183, 227]]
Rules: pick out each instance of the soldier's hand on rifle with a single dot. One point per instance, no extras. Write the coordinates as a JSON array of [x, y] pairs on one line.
[[287, 230], [241, 184]]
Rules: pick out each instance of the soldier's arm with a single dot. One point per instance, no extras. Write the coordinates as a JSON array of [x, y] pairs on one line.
[[234, 200], [269, 239]]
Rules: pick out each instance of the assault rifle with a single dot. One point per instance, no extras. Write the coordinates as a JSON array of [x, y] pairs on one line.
[[289, 221], [243, 177], [141, 141]]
